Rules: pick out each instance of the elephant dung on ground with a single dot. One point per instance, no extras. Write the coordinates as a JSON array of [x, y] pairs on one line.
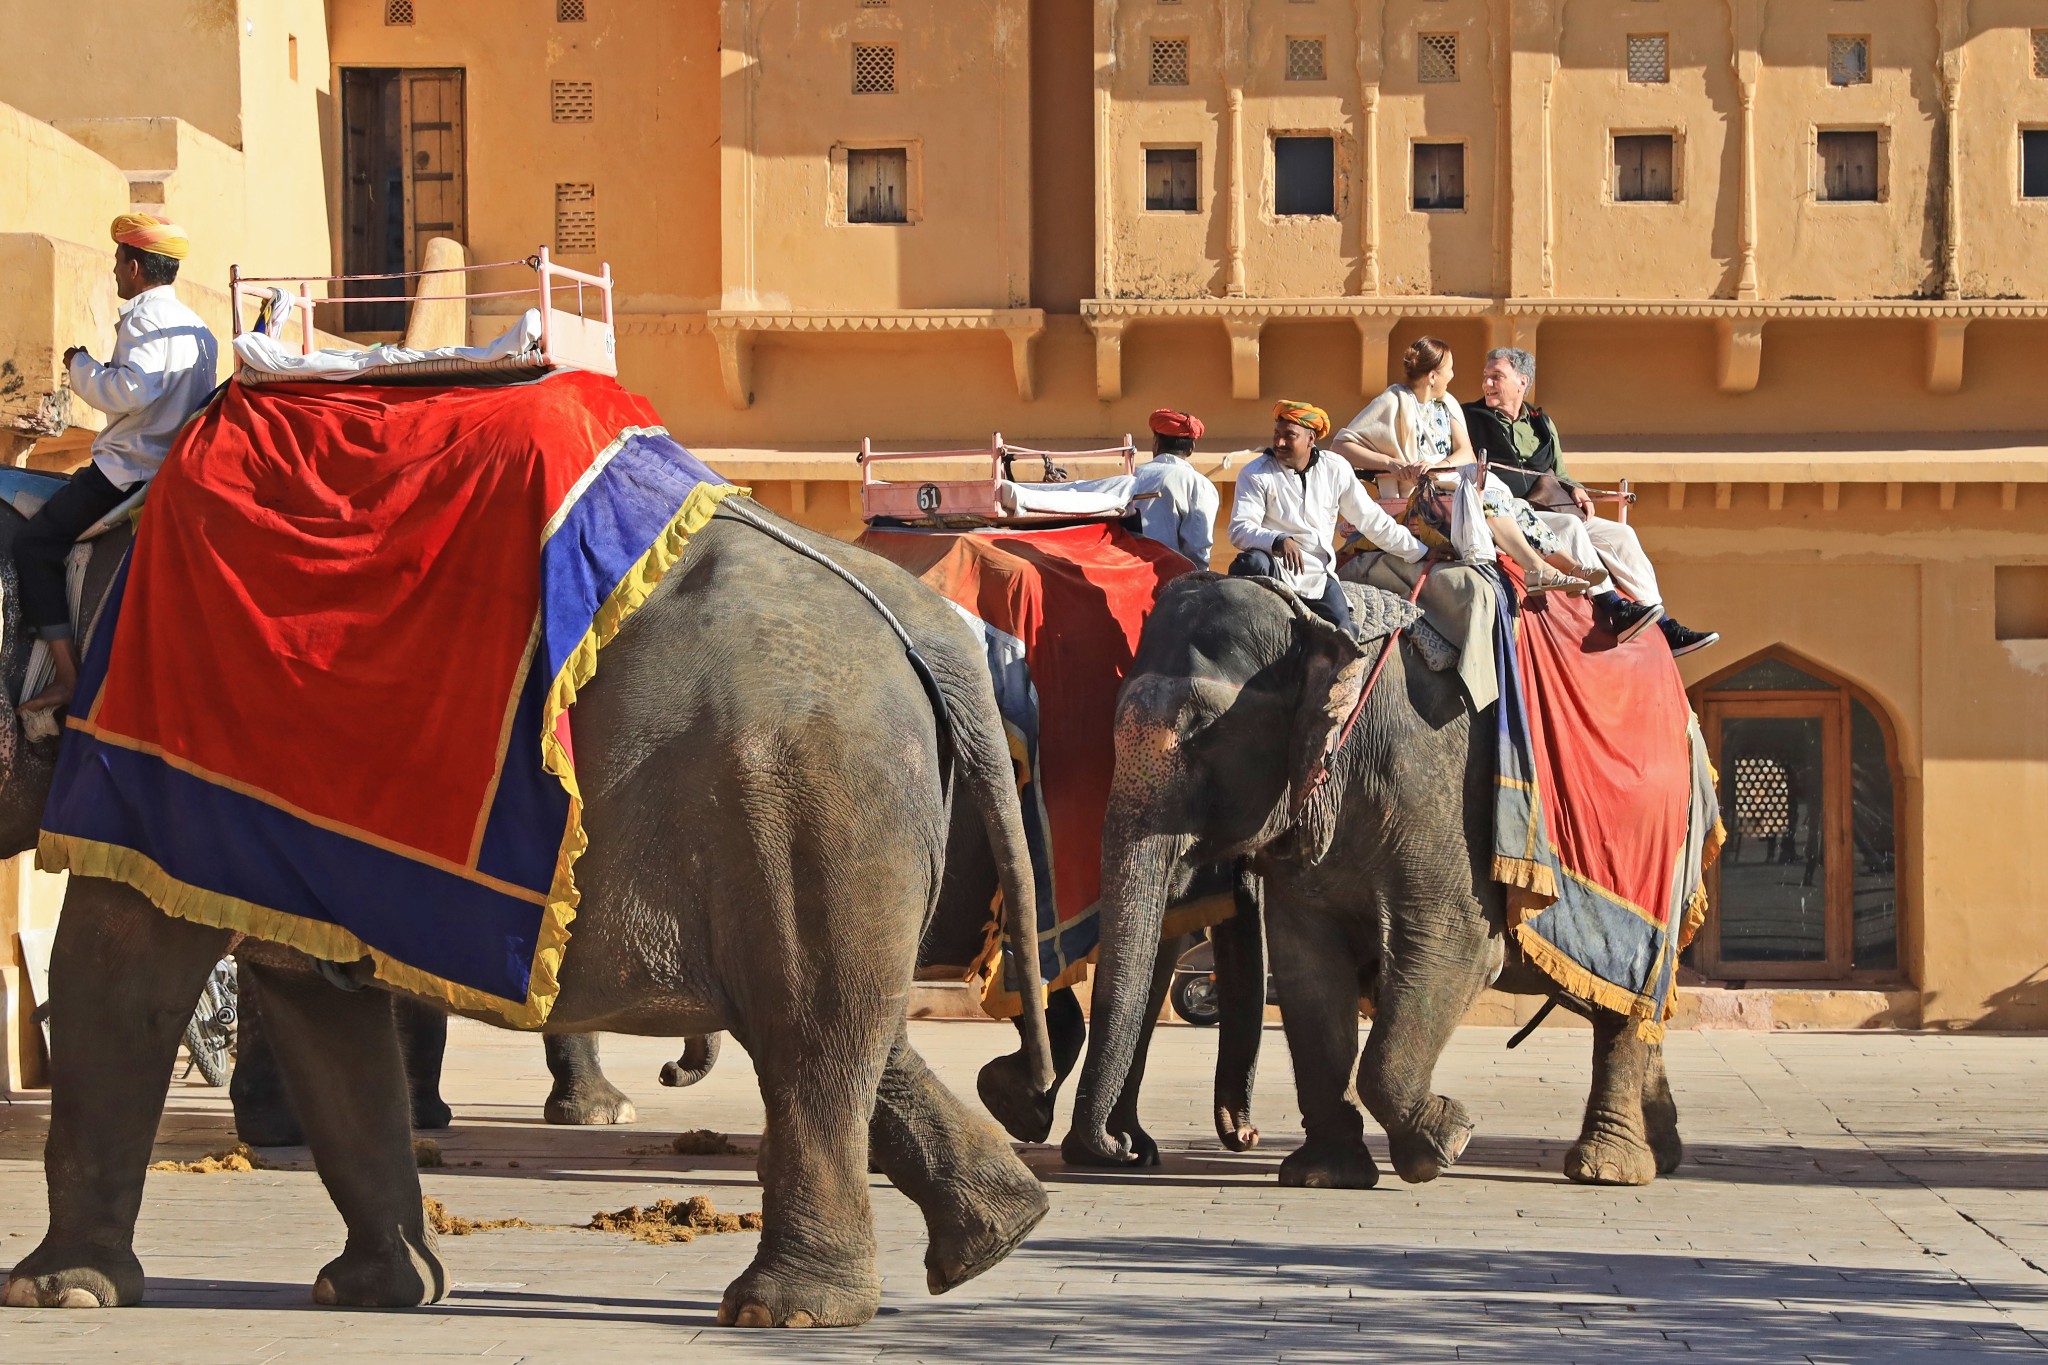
[[1376, 884], [765, 800]]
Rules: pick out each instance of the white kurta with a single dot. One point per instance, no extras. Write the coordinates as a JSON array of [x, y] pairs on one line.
[[1274, 502], [1183, 516], [160, 373]]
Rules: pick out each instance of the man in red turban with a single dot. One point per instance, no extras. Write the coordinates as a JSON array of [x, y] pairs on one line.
[[1180, 511], [159, 374]]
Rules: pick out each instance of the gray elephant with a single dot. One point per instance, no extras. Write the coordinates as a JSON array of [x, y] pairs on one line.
[[1379, 888], [765, 779]]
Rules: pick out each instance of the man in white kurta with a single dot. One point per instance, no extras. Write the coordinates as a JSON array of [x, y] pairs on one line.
[[1284, 521], [160, 373], [1180, 512]]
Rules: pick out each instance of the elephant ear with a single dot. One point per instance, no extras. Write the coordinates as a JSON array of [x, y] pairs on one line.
[[1333, 675]]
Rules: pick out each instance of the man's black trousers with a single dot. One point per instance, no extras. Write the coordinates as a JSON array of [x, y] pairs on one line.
[[41, 547]]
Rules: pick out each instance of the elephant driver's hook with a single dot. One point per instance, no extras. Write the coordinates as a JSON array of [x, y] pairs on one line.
[[1322, 774]]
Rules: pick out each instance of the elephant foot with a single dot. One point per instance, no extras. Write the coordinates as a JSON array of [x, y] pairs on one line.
[[408, 1275], [75, 1277], [1427, 1148], [766, 1296], [589, 1103], [1610, 1159], [1234, 1128], [1330, 1166], [430, 1113], [976, 1237], [1668, 1150], [1007, 1093]]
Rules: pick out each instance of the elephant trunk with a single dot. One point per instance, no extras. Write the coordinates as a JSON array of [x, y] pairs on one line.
[[1140, 871]]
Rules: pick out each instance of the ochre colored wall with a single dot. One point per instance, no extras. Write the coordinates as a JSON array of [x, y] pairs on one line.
[[115, 59]]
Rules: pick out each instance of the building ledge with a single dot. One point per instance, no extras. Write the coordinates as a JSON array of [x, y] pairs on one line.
[[1739, 326], [735, 328]]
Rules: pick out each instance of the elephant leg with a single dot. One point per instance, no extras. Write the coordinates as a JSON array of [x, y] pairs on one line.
[[1613, 1148], [1140, 1151], [700, 1054], [263, 1112], [1435, 969], [123, 981], [1005, 1083], [582, 1095], [1660, 1114], [1240, 946], [1317, 975], [816, 1263], [339, 1051], [979, 1201], [423, 1040]]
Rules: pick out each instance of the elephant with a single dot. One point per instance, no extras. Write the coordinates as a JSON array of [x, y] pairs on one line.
[[1376, 885], [768, 781]]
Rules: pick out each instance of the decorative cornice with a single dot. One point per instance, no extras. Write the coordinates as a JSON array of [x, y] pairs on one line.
[[877, 320], [1286, 310], [1774, 309]]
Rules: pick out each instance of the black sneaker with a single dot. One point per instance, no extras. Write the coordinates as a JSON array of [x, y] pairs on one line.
[[1684, 641], [1623, 619]]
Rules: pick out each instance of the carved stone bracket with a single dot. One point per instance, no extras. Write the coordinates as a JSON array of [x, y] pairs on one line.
[[1109, 357], [1945, 354], [736, 329], [1739, 353], [1244, 355]]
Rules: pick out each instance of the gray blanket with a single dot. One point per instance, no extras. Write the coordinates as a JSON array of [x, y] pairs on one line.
[[1459, 605]]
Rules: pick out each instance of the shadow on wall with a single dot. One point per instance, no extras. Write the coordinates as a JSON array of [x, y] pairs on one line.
[[2023, 1005]]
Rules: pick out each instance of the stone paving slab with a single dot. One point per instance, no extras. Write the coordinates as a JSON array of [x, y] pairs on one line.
[[1847, 1197]]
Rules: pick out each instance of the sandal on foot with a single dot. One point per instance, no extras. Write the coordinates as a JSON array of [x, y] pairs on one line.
[[1546, 579]]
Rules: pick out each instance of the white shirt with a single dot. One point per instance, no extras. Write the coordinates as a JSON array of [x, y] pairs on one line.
[[1273, 501], [1183, 516], [160, 374]]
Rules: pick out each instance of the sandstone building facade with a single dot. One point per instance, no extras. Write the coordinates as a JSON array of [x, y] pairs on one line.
[[1781, 262]]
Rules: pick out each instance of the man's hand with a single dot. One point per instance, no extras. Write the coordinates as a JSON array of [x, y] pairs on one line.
[[1582, 498], [1289, 552], [71, 351]]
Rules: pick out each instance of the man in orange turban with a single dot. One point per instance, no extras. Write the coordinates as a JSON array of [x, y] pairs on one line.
[[160, 373], [1303, 415], [1177, 506]]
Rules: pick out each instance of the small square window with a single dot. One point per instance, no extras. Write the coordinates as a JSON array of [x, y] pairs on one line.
[[397, 12], [1304, 176], [1643, 168], [874, 69], [1848, 60], [1170, 179], [877, 185], [1439, 176], [1304, 59], [572, 101], [1649, 58], [569, 12], [1169, 61], [1436, 57], [2034, 163], [575, 218], [2041, 52], [1848, 167]]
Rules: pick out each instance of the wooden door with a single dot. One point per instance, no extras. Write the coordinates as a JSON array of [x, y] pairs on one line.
[[1782, 893], [436, 202]]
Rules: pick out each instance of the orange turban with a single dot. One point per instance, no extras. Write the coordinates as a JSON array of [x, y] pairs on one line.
[[1172, 422], [145, 232], [1303, 415]]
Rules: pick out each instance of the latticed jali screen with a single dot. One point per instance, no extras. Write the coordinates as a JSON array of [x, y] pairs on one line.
[[569, 12], [397, 11], [1304, 59], [572, 101], [575, 216], [1763, 798], [1848, 59], [874, 69], [1649, 60], [1436, 58], [1169, 61], [2041, 53]]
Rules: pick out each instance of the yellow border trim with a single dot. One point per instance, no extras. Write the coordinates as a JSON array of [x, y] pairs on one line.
[[92, 858]]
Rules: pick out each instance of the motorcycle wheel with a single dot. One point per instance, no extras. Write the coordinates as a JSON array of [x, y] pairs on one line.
[[1194, 999]]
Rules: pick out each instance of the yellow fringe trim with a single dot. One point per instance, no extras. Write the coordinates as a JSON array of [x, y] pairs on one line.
[[1553, 963], [90, 858]]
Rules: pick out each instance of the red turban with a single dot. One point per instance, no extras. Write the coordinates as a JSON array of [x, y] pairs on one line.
[[1167, 422]]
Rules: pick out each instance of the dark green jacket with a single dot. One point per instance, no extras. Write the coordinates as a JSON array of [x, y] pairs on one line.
[[1493, 438]]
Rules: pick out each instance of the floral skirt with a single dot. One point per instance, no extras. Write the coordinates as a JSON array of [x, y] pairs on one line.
[[1499, 502]]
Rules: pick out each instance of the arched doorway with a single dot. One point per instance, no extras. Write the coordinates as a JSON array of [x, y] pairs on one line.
[[1807, 886]]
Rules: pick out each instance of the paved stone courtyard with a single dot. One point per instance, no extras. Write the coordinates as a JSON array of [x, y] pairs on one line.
[[1865, 1196]]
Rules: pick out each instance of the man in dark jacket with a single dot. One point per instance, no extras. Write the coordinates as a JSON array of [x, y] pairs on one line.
[[1520, 444]]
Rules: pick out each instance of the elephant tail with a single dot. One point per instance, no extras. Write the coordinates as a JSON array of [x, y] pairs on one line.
[[992, 786], [700, 1054]]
